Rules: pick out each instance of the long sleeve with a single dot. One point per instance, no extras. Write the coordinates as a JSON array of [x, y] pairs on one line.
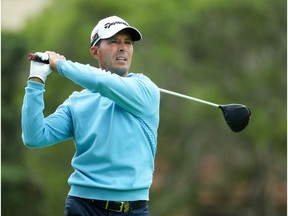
[[38, 131], [113, 123], [135, 92]]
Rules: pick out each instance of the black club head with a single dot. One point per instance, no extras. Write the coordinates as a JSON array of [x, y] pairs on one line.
[[237, 116]]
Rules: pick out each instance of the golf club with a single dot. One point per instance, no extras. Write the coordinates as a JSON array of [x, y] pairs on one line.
[[237, 116], [35, 57]]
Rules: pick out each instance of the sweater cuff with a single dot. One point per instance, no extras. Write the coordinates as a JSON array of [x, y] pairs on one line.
[[35, 85], [59, 65]]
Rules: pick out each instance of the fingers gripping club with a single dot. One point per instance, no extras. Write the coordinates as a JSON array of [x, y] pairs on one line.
[[37, 58]]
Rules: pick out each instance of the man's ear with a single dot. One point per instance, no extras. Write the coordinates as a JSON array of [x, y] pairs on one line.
[[94, 51]]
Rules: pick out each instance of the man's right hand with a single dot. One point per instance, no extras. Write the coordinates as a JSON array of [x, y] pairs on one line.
[[54, 58], [40, 71]]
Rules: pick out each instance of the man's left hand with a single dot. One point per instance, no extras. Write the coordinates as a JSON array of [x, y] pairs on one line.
[[54, 58]]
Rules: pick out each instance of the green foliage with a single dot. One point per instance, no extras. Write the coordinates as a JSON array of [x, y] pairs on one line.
[[16, 182], [218, 50]]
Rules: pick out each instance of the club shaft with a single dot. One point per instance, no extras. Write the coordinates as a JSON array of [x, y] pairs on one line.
[[188, 97]]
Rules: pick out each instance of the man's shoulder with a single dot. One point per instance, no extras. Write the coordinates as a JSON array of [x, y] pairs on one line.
[[144, 79], [139, 76]]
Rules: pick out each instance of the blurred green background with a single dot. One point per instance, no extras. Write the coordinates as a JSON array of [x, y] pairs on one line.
[[217, 50]]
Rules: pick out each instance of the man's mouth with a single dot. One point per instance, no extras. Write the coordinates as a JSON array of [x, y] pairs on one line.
[[121, 59]]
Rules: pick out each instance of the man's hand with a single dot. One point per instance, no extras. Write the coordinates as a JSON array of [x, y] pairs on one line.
[[40, 71], [54, 58]]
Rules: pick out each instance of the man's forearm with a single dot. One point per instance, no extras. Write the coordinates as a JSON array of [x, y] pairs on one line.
[[32, 114]]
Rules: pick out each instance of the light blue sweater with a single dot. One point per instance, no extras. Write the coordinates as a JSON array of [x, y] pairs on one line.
[[113, 123]]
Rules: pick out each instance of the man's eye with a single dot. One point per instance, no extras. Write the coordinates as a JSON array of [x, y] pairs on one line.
[[129, 42]]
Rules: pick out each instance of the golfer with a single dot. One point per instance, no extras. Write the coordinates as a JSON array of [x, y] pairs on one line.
[[113, 122]]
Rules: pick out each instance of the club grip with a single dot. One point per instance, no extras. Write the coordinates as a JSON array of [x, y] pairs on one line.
[[36, 58]]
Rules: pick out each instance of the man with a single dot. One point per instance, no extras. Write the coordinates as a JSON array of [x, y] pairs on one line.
[[113, 123]]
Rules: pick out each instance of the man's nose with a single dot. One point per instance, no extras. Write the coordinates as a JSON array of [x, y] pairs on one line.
[[121, 46]]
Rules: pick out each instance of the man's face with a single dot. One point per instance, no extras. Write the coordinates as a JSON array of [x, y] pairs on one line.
[[115, 54]]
